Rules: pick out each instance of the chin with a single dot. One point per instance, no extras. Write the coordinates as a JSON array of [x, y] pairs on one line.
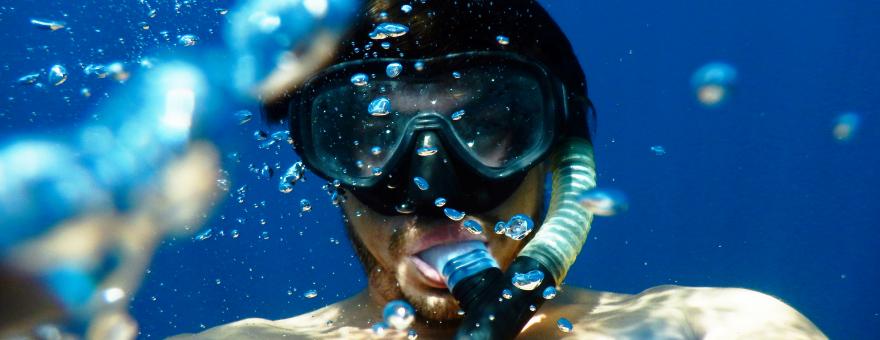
[[430, 303]]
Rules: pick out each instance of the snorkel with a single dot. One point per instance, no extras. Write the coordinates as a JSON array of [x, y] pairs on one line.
[[477, 282]]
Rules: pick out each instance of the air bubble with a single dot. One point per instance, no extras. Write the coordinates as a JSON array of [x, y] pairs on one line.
[[380, 107], [453, 214], [360, 79], [393, 70], [421, 183], [529, 280], [398, 314], [473, 227]]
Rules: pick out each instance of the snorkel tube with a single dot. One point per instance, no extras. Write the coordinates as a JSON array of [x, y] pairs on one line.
[[476, 281]]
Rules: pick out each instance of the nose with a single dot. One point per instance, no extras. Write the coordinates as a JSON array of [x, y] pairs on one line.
[[433, 173]]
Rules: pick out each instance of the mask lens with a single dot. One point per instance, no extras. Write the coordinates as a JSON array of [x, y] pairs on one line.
[[350, 142], [504, 119]]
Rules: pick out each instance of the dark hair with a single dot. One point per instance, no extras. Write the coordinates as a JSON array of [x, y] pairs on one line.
[[441, 27]]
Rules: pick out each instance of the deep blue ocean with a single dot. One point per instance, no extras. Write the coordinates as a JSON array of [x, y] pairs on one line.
[[755, 193]]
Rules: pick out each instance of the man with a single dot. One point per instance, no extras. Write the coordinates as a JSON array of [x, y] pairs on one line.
[[448, 127]]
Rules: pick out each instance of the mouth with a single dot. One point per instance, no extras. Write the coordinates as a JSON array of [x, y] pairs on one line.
[[437, 236]]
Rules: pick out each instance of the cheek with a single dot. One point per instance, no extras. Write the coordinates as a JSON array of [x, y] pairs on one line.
[[372, 228]]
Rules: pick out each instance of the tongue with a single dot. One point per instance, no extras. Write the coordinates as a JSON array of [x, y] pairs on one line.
[[438, 256]]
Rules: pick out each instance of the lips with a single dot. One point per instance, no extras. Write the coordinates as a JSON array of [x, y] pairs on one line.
[[446, 233]]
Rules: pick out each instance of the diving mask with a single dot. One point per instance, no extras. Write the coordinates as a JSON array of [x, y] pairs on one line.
[[469, 125]]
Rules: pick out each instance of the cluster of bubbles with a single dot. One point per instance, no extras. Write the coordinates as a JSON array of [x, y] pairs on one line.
[[518, 227], [527, 281], [290, 177]]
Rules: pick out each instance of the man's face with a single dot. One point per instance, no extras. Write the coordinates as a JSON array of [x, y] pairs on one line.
[[389, 246]]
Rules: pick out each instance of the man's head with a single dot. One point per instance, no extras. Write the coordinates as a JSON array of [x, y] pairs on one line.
[[523, 89]]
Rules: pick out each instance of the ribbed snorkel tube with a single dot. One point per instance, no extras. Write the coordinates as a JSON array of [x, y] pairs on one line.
[[551, 252]]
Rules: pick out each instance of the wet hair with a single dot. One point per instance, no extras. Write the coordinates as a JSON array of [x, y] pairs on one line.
[[441, 27]]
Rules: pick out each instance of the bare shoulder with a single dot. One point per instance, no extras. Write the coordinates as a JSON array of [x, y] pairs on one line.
[[328, 322], [737, 313], [672, 312]]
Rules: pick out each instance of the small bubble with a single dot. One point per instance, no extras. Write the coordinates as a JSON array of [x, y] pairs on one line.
[[527, 281], [426, 151], [379, 329], [658, 150], [393, 69], [221, 11], [440, 202], [360, 79], [549, 293], [473, 227], [406, 8], [28, 79], [421, 183], [376, 150], [243, 116], [144, 25], [305, 205], [500, 227], [388, 30], [311, 293], [204, 235], [453, 214], [456, 75], [398, 314], [48, 25], [264, 235], [152, 13], [188, 40], [533, 308], [376, 171], [404, 208], [386, 45], [457, 115], [57, 75], [502, 40], [261, 135], [380, 107], [412, 335], [564, 325], [234, 233], [506, 294], [419, 66], [85, 92]]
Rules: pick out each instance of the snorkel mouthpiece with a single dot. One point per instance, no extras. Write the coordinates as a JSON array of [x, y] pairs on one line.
[[458, 261]]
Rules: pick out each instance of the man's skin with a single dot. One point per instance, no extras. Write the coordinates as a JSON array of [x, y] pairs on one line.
[[386, 243]]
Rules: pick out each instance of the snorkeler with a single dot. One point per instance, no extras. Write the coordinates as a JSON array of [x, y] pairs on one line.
[[438, 121]]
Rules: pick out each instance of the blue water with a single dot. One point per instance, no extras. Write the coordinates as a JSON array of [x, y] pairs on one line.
[[756, 193]]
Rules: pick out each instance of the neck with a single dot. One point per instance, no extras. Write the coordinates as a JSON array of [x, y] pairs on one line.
[[426, 328]]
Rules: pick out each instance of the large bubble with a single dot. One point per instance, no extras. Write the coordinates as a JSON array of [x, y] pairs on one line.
[[713, 83]]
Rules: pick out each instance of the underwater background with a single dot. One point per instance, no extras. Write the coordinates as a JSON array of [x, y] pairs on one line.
[[775, 189]]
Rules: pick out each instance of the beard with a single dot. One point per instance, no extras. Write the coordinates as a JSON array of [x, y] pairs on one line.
[[437, 306]]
